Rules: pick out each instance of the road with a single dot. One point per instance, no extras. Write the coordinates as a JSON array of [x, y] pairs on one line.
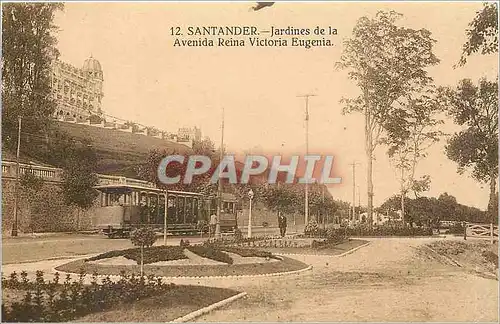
[[384, 281], [42, 247]]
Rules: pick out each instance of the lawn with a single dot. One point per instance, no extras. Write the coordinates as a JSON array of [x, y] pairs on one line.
[[163, 308], [177, 301], [287, 264]]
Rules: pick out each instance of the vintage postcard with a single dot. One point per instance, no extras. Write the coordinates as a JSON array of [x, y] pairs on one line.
[[241, 161]]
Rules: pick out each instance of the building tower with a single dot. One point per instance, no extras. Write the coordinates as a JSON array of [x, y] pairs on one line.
[[77, 91]]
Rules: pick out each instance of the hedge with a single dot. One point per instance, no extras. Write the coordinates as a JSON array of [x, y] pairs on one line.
[[211, 253], [151, 255], [56, 301]]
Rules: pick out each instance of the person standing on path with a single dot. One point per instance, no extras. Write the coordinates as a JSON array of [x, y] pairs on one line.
[[213, 225], [282, 224]]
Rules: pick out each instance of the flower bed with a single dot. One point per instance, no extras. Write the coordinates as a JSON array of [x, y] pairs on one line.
[[389, 231], [211, 253], [249, 252], [151, 255], [284, 265], [41, 300]]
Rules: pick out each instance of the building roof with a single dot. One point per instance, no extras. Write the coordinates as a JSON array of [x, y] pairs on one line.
[[91, 64]]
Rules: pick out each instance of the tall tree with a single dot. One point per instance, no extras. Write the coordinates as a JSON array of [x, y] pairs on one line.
[[79, 177], [28, 49], [205, 147], [386, 61], [475, 148], [482, 34], [411, 130]]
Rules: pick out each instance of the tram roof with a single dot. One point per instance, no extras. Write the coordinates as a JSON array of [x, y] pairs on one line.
[[124, 187]]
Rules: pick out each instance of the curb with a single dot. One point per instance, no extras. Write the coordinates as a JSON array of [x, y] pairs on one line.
[[57, 258], [447, 258], [327, 255], [396, 236], [209, 308], [488, 275], [274, 274], [352, 250]]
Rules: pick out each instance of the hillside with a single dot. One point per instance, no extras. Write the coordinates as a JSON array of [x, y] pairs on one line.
[[119, 152]]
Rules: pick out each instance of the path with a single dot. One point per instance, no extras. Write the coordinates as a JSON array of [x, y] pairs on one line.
[[380, 282]]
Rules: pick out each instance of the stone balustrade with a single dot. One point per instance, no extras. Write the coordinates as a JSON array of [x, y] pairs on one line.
[[51, 174]]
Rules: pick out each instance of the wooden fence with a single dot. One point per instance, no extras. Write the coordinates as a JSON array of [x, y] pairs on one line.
[[484, 231]]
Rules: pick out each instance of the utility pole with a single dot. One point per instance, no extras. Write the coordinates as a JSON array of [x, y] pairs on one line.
[[323, 211], [16, 190], [359, 204], [306, 211], [219, 190], [353, 164]]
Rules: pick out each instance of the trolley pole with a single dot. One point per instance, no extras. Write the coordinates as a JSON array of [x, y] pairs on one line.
[[165, 219]]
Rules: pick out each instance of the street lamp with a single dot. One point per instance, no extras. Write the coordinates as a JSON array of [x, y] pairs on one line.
[[16, 188], [250, 195]]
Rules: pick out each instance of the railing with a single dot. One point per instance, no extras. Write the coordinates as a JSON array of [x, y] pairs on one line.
[[484, 231], [55, 175], [113, 180], [9, 169]]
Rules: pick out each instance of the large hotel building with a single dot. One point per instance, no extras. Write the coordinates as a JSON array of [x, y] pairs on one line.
[[78, 91]]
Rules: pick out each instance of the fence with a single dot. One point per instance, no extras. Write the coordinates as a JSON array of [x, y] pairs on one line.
[[483, 231], [51, 174]]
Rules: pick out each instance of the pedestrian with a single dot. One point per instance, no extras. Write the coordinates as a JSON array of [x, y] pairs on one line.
[[282, 224], [213, 225]]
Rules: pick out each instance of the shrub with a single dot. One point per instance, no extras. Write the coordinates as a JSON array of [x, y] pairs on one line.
[[389, 231], [151, 255], [212, 253], [456, 229], [143, 237], [312, 229], [336, 235], [249, 252], [53, 301], [238, 235]]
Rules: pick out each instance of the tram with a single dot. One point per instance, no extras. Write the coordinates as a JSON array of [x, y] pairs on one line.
[[124, 207]]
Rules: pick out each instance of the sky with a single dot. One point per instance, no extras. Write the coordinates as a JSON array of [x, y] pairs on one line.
[[149, 81]]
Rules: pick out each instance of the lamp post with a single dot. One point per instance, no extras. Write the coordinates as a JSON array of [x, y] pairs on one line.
[[165, 219], [250, 195], [16, 188]]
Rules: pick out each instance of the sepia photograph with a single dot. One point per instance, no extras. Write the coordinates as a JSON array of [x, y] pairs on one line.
[[242, 161]]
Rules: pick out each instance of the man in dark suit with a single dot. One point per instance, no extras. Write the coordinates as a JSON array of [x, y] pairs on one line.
[[282, 224]]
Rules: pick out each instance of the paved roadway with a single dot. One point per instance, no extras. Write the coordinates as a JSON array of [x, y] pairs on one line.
[[27, 248]]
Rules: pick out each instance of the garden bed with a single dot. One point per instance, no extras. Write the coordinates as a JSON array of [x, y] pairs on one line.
[[129, 300], [284, 265], [325, 250], [151, 255], [168, 306]]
